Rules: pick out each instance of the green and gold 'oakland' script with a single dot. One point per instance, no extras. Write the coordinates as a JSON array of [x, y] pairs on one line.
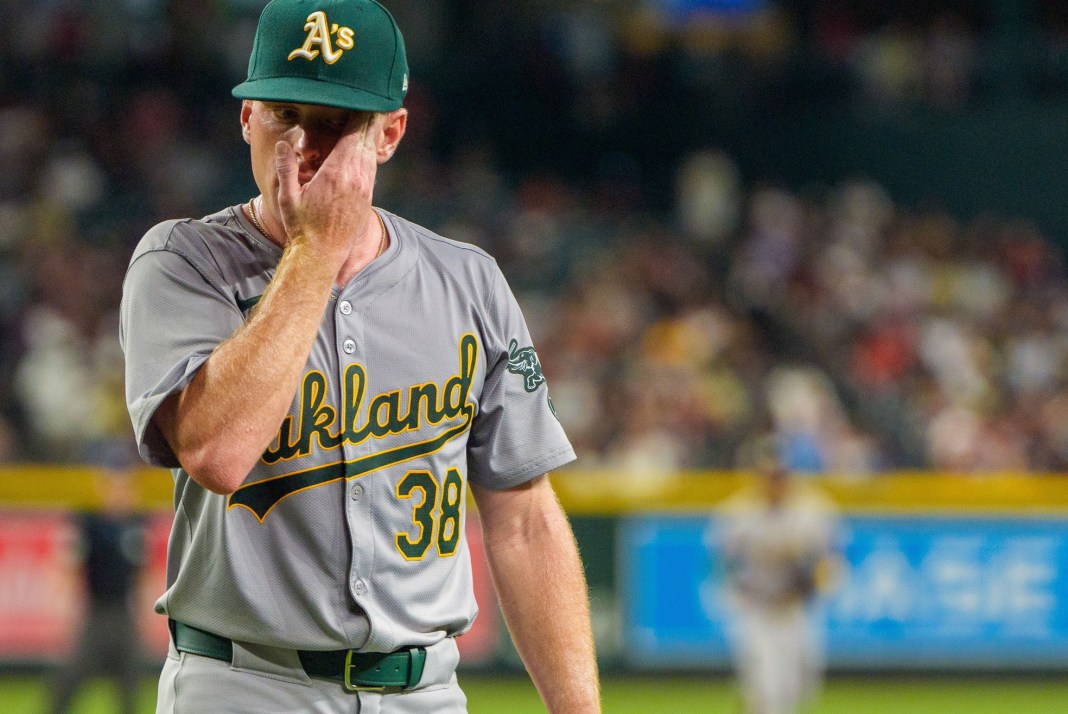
[[386, 414]]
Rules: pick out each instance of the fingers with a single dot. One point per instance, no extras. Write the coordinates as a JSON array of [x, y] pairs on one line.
[[352, 167], [358, 140], [286, 165], [288, 183], [362, 126], [331, 208]]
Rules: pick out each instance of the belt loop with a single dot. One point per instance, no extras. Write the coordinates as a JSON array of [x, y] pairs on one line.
[[201, 642], [418, 661]]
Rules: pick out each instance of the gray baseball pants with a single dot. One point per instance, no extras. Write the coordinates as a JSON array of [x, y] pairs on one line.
[[267, 680]]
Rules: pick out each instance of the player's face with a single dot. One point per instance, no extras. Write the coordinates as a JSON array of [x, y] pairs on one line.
[[312, 130]]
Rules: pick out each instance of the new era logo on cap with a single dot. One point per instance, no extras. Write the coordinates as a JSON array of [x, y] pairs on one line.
[[337, 53]]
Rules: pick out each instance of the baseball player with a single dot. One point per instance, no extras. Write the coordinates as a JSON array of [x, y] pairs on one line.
[[327, 381], [777, 545]]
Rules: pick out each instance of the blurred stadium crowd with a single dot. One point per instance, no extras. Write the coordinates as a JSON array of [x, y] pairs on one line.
[[680, 308]]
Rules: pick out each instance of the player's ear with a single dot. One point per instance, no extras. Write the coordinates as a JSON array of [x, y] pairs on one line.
[[396, 122], [246, 113]]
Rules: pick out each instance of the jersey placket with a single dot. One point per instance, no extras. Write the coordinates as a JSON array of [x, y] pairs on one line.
[[348, 339]]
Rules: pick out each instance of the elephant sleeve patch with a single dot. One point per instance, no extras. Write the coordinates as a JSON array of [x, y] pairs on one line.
[[524, 362]]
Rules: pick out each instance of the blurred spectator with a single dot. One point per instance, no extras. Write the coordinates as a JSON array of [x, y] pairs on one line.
[[112, 543], [68, 381], [890, 65], [708, 197]]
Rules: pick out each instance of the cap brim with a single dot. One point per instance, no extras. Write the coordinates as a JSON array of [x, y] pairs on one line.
[[304, 90]]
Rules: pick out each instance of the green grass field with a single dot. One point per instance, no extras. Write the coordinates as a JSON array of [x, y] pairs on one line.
[[674, 695]]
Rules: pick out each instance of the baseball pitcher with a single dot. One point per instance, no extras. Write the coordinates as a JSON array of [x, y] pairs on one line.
[[327, 381]]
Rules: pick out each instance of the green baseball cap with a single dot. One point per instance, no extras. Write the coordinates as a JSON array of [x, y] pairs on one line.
[[338, 53]]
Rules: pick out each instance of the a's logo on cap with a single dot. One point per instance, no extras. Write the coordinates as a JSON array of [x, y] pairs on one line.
[[319, 33]]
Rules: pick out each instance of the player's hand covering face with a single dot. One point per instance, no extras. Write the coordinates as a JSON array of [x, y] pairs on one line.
[[326, 163], [316, 167]]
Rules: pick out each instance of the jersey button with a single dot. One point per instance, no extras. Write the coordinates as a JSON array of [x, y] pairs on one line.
[[345, 306], [359, 587], [349, 346], [357, 492]]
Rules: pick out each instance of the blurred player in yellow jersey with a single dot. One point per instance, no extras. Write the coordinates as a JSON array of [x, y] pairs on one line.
[[778, 549]]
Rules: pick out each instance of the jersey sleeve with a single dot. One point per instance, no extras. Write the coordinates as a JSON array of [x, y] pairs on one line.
[[172, 318], [516, 435]]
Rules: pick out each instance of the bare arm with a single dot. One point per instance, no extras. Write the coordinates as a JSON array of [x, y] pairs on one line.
[[536, 570], [220, 424]]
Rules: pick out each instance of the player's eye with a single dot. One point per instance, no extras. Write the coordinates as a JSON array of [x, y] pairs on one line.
[[286, 115]]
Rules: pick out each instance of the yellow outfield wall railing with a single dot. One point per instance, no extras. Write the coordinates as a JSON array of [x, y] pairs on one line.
[[597, 493], [605, 493]]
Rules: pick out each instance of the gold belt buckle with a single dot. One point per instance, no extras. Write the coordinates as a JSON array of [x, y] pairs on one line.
[[357, 687]]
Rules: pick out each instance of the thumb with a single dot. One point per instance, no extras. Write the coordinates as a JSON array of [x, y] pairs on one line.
[[288, 185]]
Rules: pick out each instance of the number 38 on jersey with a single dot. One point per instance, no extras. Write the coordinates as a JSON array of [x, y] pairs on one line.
[[436, 513]]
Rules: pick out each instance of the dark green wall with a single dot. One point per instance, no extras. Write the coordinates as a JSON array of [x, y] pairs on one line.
[[1010, 161]]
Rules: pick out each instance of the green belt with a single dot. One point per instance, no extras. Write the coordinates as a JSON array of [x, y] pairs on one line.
[[355, 670]]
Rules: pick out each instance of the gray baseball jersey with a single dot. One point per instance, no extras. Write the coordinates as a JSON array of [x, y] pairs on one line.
[[349, 531], [774, 552]]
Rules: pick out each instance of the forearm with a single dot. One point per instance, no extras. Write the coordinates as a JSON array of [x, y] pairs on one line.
[[220, 424], [538, 575]]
